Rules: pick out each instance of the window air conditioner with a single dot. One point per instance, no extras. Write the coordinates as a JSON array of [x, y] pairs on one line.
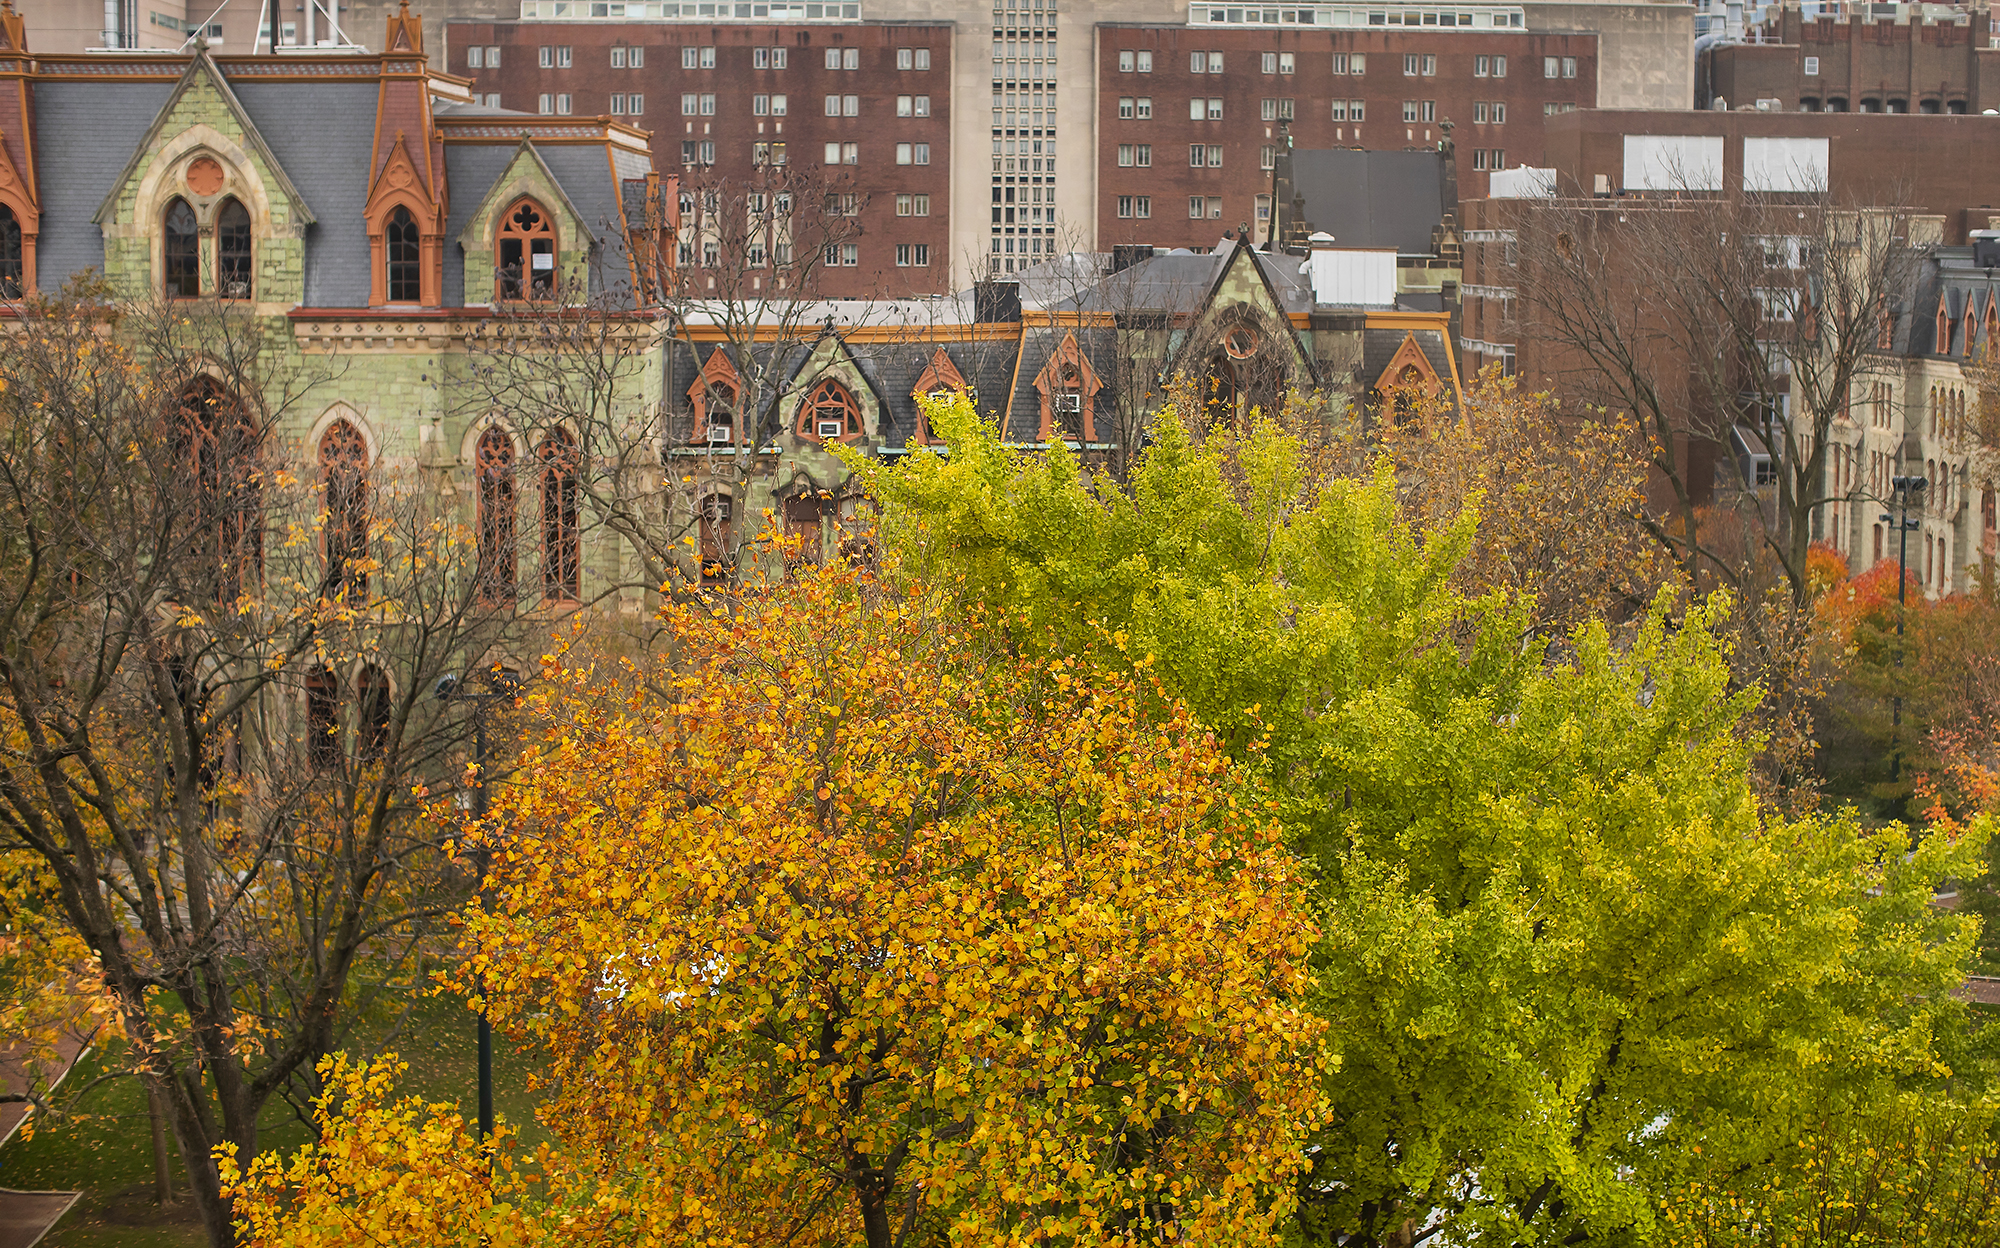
[[831, 428], [718, 433], [1069, 403]]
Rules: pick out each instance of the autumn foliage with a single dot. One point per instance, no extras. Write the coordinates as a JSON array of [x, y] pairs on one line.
[[848, 927]]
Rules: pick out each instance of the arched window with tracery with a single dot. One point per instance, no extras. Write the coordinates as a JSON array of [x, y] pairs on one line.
[[372, 732], [343, 466], [718, 547], [180, 252], [493, 465], [226, 524], [562, 542], [235, 254], [830, 413], [404, 258], [322, 718], [13, 256], [526, 254]]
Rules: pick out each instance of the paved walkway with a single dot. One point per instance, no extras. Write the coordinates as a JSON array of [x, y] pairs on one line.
[[27, 1216]]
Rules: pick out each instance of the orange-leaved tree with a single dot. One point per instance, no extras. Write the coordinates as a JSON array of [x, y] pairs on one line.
[[847, 926]]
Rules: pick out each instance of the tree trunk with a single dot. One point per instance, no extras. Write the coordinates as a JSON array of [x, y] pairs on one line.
[[163, 1177]]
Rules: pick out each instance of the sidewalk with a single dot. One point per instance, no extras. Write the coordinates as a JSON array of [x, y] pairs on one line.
[[27, 1216]]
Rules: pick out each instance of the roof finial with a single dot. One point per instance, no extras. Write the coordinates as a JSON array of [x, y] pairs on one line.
[[7, 6], [404, 8]]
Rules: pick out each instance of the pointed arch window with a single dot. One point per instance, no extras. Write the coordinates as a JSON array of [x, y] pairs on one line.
[[235, 253], [226, 524], [562, 543], [13, 267], [181, 251], [404, 258], [1943, 344], [717, 533], [343, 466], [526, 252], [830, 414], [493, 464], [322, 718]]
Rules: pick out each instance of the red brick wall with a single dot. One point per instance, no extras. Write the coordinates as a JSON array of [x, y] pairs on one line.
[[1453, 90], [805, 81]]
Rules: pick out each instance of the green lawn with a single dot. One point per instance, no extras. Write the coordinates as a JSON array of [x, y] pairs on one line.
[[107, 1151]]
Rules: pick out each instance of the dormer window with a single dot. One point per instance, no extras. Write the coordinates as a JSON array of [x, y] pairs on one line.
[[404, 258], [181, 251], [1943, 344], [13, 268], [526, 255]]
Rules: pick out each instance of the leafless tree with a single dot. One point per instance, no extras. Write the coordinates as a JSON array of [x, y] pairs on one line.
[[216, 664]]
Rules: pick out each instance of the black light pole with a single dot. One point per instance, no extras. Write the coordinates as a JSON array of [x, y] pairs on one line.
[[1905, 489], [448, 688]]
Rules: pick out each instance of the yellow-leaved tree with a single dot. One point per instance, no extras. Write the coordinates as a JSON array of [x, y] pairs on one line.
[[847, 925]]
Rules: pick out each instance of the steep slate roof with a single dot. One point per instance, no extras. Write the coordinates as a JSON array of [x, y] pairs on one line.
[[1948, 271], [1379, 346], [1373, 199], [321, 132], [1099, 345], [85, 131], [470, 170]]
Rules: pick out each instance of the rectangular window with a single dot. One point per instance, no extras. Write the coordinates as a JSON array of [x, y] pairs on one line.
[[1125, 61], [546, 57], [617, 58], [903, 205], [1145, 107], [1340, 60], [1215, 155], [760, 155], [850, 153], [1499, 114], [1145, 62], [850, 106], [708, 104], [923, 205], [1340, 110], [548, 104], [777, 106], [923, 257], [760, 58], [1125, 155], [1430, 66], [778, 58], [1197, 109], [1354, 110], [833, 106], [1197, 156], [760, 106], [923, 103], [1197, 62], [1410, 63], [1499, 67], [635, 58], [1214, 208], [833, 153], [850, 253], [617, 105], [1125, 108], [832, 62], [1285, 110], [1479, 112], [1269, 62], [562, 57], [1479, 158], [1812, 67], [1125, 205], [708, 152], [902, 153], [1569, 67], [562, 105], [690, 105], [1197, 207], [906, 58], [1267, 156], [491, 99], [923, 58], [1214, 110], [1215, 62], [689, 149], [1482, 66], [1286, 63], [1142, 207], [902, 255], [1268, 110], [1409, 110], [492, 57], [1497, 159], [1552, 67], [690, 58], [475, 57], [1145, 156], [1430, 110]]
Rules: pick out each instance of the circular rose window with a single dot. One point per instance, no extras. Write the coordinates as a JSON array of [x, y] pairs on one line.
[[204, 176], [1240, 343]]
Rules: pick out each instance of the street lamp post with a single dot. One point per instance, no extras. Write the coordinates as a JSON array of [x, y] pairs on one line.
[[1907, 491], [499, 687]]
